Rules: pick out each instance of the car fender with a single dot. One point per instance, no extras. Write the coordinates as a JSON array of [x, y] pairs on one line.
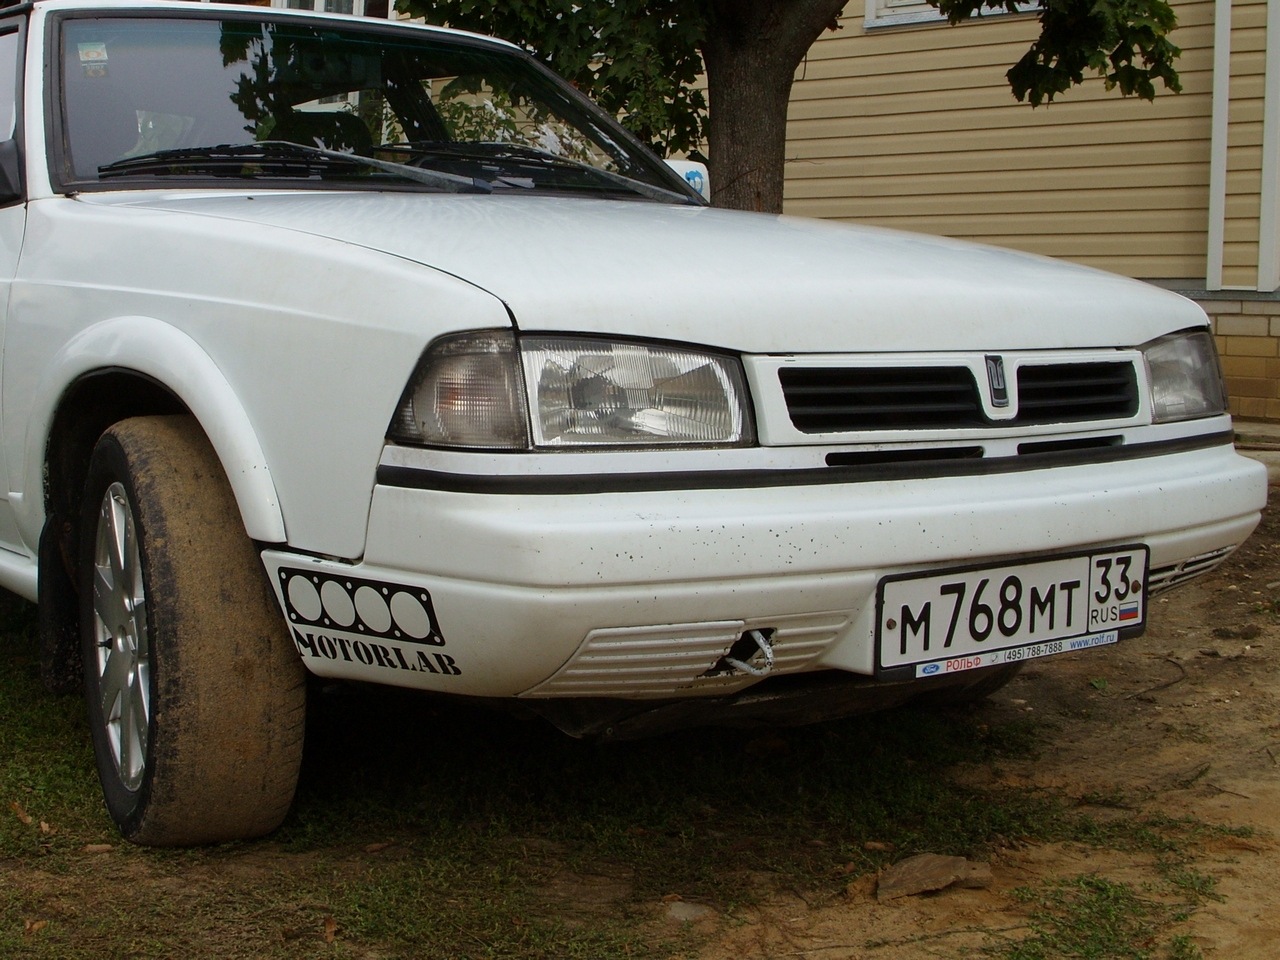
[[163, 353]]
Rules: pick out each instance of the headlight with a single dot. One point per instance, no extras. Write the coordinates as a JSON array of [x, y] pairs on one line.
[[474, 390], [1186, 380], [601, 393], [466, 392]]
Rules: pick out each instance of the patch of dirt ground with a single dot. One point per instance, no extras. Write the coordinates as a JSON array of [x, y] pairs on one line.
[[1184, 721]]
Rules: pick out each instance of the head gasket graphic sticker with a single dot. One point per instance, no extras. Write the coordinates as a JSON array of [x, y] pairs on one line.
[[358, 607]]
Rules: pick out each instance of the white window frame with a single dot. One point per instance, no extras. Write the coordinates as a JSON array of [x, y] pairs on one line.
[[357, 7], [901, 13], [893, 13], [321, 6]]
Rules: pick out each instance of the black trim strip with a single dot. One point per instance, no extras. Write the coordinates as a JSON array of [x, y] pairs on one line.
[[418, 479]]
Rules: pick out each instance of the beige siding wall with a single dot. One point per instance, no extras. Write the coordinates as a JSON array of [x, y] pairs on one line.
[[915, 127]]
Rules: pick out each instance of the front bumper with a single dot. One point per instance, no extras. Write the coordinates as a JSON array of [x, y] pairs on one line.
[[639, 594]]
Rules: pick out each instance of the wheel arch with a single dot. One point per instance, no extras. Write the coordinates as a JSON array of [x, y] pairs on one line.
[[135, 366], [128, 367]]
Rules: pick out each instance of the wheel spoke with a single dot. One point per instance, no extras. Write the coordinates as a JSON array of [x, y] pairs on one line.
[[114, 684], [133, 731], [126, 751], [141, 641], [143, 696], [108, 603], [116, 532], [131, 587]]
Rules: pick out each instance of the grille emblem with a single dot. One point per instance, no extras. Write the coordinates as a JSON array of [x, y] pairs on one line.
[[996, 378]]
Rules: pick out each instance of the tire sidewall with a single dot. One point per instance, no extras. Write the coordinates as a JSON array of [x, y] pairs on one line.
[[109, 465]]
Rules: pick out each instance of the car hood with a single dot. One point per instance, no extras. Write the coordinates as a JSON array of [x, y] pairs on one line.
[[749, 282]]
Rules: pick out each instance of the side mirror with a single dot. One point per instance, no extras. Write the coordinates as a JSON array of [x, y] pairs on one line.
[[694, 174], [10, 172]]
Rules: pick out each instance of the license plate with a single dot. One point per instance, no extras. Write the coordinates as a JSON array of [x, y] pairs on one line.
[[942, 622]]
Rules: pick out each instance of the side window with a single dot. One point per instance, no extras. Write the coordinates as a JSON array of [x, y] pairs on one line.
[[10, 94], [9, 57]]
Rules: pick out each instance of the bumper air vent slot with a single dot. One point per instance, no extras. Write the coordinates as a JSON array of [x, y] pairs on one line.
[[882, 458], [1161, 579], [1068, 446]]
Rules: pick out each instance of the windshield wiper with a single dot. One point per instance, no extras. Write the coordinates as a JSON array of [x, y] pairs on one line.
[[526, 155], [281, 158]]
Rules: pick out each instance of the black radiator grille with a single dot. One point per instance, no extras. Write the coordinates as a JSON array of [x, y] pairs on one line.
[[1067, 392], [850, 399], [831, 399]]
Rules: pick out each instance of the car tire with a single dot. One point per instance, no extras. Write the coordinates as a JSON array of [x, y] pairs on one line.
[[196, 696]]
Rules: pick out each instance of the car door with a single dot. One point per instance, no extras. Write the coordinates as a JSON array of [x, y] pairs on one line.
[[12, 217]]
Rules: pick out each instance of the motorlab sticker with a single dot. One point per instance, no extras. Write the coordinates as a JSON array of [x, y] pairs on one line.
[[359, 621], [385, 656]]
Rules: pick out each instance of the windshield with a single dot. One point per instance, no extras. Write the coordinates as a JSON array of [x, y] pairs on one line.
[[151, 101]]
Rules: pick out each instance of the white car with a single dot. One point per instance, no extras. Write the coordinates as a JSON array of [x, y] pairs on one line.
[[376, 350]]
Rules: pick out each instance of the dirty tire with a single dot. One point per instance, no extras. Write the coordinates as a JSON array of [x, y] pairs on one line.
[[195, 693]]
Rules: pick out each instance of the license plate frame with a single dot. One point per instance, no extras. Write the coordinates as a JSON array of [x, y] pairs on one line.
[[987, 613]]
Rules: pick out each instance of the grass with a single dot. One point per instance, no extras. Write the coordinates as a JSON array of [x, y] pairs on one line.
[[1090, 917], [425, 829], [46, 764]]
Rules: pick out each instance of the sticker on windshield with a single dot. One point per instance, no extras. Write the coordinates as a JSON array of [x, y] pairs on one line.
[[93, 59], [92, 52]]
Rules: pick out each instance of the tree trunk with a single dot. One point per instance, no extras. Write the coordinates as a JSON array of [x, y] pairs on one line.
[[751, 51]]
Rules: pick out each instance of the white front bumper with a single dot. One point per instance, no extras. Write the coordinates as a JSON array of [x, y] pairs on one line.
[[638, 594]]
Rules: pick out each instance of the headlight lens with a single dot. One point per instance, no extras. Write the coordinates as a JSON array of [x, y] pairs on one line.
[[1186, 380], [470, 392], [465, 393], [602, 393]]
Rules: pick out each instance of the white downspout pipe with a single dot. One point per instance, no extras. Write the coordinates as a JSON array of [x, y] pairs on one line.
[[1269, 212], [1219, 128]]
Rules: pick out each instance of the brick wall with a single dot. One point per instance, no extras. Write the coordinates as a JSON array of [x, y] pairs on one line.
[[1248, 334]]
